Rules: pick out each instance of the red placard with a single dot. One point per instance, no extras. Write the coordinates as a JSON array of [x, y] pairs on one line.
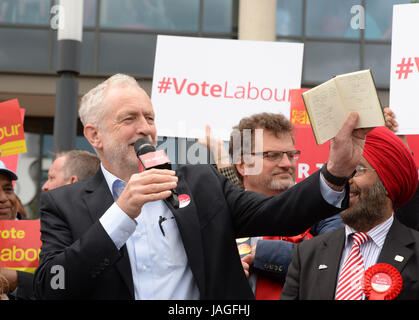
[[11, 161], [312, 155], [20, 244], [12, 136]]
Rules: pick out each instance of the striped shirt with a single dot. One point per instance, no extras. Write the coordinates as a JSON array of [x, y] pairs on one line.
[[370, 250]]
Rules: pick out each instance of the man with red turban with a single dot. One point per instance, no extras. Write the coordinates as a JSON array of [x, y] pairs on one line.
[[333, 265]]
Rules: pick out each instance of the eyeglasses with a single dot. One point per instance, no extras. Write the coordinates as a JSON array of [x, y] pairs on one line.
[[274, 156], [360, 170]]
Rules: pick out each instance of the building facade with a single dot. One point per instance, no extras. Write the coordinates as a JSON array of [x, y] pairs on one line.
[[119, 36]]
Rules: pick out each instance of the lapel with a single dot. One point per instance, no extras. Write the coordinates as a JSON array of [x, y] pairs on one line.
[[396, 244], [330, 253], [98, 199], [190, 232]]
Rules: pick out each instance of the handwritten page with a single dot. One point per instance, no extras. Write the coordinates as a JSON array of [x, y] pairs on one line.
[[357, 92], [326, 112], [329, 104]]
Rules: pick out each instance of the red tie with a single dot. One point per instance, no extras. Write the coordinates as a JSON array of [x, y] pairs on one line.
[[350, 278]]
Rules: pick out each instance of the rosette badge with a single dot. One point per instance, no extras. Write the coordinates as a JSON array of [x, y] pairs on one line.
[[382, 282]]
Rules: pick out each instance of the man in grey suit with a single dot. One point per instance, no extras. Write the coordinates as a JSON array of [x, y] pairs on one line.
[[386, 178]]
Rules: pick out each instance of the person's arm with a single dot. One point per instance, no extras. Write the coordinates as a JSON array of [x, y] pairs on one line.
[[231, 175], [217, 148], [327, 225], [86, 257], [392, 124], [272, 258], [345, 151], [9, 280], [82, 260]]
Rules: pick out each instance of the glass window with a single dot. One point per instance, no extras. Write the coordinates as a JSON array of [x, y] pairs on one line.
[[377, 57], [323, 60], [379, 17], [48, 145], [87, 52], [25, 11], [127, 53], [220, 15], [89, 13], [330, 19], [181, 15], [26, 49], [288, 17]]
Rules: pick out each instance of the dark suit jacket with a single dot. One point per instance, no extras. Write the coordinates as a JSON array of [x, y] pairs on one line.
[[305, 281], [218, 213]]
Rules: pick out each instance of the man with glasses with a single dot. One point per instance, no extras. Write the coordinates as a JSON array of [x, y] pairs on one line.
[[332, 266], [265, 161]]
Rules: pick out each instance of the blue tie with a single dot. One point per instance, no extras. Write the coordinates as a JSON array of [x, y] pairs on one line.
[[117, 187]]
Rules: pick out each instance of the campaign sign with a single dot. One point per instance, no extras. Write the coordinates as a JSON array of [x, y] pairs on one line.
[[11, 161], [312, 156], [200, 81], [20, 244], [12, 136], [404, 78]]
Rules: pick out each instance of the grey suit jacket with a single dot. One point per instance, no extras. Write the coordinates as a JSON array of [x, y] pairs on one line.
[[306, 281]]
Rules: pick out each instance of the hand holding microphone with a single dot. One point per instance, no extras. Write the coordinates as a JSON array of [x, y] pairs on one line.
[[156, 181], [151, 159]]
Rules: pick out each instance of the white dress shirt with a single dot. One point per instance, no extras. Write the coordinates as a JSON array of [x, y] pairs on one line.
[[370, 250], [160, 268]]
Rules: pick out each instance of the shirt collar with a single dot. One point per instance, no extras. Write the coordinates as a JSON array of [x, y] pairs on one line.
[[378, 233], [109, 177]]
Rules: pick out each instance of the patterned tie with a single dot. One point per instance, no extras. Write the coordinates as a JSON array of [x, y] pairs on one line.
[[117, 187], [350, 279]]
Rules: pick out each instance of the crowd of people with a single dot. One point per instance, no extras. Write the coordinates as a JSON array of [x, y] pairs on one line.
[[116, 235]]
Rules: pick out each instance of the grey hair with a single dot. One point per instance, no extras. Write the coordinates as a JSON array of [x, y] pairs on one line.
[[91, 104]]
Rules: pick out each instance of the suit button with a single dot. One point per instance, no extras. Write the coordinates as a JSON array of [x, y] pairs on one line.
[[106, 262]]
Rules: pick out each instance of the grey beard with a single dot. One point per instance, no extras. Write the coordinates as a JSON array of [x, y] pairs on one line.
[[280, 185]]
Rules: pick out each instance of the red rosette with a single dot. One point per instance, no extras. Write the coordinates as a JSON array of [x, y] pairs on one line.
[[382, 281]]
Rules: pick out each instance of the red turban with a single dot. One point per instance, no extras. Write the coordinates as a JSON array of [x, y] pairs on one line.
[[394, 164]]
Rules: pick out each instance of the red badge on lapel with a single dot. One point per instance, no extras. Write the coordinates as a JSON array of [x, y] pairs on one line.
[[184, 200], [382, 281]]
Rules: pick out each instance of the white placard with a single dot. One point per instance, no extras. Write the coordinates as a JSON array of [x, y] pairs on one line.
[[199, 81], [404, 78]]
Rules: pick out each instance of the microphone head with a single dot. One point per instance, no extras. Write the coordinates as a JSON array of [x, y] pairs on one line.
[[143, 146]]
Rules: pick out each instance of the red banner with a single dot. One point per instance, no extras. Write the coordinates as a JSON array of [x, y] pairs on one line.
[[20, 244], [312, 156], [11, 161], [12, 136]]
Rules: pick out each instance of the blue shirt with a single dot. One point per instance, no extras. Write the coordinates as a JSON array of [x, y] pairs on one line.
[[160, 268]]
